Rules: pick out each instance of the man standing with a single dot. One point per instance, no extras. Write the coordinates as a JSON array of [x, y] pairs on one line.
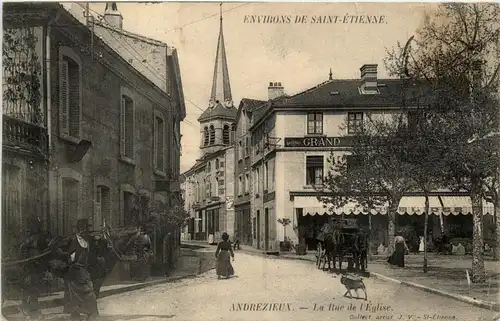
[[79, 295]]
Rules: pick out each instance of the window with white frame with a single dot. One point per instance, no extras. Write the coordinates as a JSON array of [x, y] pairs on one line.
[[159, 143], [257, 181], [315, 123], [103, 207], [354, 122], [69, 95], [314, 170], [127, 127], [266, 177]]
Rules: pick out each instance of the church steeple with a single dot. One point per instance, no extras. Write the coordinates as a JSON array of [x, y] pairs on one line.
[[221, 88]]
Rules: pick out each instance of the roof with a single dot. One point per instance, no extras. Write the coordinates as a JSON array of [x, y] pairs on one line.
[[249, 105], [345, 93], [218, 111], [202, 160]]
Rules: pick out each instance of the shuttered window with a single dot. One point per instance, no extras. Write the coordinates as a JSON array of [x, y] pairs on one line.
[[314, 170], [315, 123], [64, 98], [159, 143], [69, 97], [127, 127], [212, 135], [225, 135]]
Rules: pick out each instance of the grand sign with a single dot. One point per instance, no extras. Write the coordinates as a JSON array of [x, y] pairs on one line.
[[317, 141]]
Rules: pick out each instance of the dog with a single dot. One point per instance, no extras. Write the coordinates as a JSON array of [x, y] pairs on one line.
[[353, 282]]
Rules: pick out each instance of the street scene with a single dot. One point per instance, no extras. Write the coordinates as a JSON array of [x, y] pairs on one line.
[[250, 161]]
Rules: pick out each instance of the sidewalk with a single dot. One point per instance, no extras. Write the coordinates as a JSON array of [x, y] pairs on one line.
[[186, 269], [446, 274]]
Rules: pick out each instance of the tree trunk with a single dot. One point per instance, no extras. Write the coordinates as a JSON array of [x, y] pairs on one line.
[[284, 233], [426, 223], [496, 246], [391, 224], [478, 271]]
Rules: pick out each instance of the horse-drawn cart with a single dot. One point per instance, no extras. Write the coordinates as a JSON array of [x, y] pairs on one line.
[[344, 240]]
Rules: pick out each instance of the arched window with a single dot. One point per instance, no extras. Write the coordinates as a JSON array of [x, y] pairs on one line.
[[232, 134], [225, 135], [205, 136], [212, 135]]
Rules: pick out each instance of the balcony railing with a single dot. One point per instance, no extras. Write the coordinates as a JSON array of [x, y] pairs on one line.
[[24, 135]]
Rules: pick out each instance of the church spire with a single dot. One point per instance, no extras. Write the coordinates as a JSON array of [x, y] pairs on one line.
[[221, 88]]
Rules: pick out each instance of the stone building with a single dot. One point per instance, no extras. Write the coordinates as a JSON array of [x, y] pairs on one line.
[[292, 140], [208, 184], [113, 134], [242, 171]]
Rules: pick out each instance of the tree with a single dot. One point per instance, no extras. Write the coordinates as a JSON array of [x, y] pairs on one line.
[[285, 222], [456, 54]]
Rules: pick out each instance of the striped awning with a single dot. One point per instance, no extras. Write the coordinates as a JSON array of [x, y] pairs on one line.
[[409, 205], [456, 205]]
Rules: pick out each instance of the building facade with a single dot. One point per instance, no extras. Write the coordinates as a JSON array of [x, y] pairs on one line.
[[208, 184], [293, 138], [242, 171], [113, 134]]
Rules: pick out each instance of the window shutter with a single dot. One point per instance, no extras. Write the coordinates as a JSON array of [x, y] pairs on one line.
[[155, 141], [97, 221], [64, 98], [122, 126]]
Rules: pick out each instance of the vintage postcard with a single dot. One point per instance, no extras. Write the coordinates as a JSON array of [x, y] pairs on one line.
[[250, 161]]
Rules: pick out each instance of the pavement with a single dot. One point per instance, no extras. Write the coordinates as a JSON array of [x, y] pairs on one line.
[[190, 264], [277, 289]]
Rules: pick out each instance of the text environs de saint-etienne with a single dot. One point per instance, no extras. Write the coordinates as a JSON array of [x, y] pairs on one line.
[[324, 19]]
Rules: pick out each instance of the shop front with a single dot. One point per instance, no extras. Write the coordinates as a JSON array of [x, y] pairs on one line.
[[450, 219]]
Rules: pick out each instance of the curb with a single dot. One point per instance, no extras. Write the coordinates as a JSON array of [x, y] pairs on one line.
[[465, 299], [13, 309]]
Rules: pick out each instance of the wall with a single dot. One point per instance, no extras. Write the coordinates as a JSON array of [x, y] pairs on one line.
[[100, 96]]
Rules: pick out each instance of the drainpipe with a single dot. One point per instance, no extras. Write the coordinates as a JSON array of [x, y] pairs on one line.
[[49, 115], [48, 86]]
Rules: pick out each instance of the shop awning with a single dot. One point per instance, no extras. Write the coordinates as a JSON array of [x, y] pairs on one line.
[[415, 205], [409, 205], [456, 205], [311, 206]]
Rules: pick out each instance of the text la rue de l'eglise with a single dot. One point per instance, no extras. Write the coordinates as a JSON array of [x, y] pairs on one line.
[[326, 19]]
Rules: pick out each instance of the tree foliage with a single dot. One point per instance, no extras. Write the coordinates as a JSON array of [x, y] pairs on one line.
[[456, 55]]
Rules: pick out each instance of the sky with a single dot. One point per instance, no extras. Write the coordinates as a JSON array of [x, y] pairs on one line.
[[299, 55]]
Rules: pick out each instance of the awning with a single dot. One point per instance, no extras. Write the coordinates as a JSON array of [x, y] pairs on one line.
[[415, 205], [462, 205], [311, 206], [409, 205]]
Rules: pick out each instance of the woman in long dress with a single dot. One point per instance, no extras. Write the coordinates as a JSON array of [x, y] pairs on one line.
[[223, 254], [79, 290], [398, 255]]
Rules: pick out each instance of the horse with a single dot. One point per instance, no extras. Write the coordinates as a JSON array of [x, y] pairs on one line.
[[333, 248], [361, 245]]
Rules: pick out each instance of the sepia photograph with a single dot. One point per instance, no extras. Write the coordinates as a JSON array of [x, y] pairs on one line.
[[194, 161]]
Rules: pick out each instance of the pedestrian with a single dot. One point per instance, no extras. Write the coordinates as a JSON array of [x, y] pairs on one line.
[[79, 295], [223, 254], [399, 250]]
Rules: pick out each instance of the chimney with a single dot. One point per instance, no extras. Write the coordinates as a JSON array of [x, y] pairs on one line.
[[369, 79], [112, 15], [275, 90]]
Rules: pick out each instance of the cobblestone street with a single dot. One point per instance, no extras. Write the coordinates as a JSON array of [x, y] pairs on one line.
[[301, 291]]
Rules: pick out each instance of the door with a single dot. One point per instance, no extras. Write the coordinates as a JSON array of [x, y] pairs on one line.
[[266, 229], [258, 229]]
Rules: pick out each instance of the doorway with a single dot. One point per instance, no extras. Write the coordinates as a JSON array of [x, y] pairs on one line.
[[258, 229], [266, 229]]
